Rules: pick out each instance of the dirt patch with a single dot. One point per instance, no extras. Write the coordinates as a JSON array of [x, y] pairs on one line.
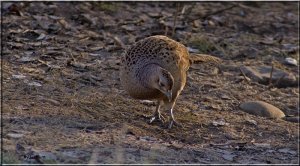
[[63, 102]]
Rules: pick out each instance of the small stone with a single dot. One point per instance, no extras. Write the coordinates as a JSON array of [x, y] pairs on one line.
[[291, 61], [220, 122], [270, 151], [22, 107], [129, 28], [34, 84], [147, 138], [197, 23], [215, 71], [287, 150], [15, 135], [262, 145], [261, 108], [225, 97], [211, 23], [21, 76], [242, 13], [147, 102], [217, 19], [251, 121], [193, 50], [41, 37], [228, 157], [232, 136], [241, 78], [290, 48], [46, 156], [19, 148], [154, 14], [26, 59]]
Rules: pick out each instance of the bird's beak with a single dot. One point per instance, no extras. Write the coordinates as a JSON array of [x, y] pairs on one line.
[[169, 95]]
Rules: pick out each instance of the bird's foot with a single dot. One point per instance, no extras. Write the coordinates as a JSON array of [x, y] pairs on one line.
[[174, 123], [157, 117]]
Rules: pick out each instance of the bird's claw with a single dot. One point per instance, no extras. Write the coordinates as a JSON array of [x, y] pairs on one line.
[[152, 119], [158, 117]]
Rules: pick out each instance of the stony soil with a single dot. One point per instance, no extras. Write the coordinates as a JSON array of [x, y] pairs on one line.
[[63, 103]]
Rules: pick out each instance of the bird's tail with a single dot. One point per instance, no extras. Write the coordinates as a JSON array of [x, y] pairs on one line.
[[203, 58]]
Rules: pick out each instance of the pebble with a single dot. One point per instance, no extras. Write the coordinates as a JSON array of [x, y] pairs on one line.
[[34, 84], [263, 109], [193, 50], [46, 156], [15, 135], [147, 138], [148, 102], [228, 157], [26, 59], [262, 145], [291, 61], [250, 121], [18, 76], [287, 150], [220, 122]]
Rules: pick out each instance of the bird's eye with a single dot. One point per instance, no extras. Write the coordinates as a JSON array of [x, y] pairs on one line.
[[161, 84]]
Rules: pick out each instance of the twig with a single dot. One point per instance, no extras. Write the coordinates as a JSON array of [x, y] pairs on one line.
[[245, 77], [130, 22], [166, 30], [216, 12], [183, 10], [175, 19], [244, 6], [271, 74], [187, 10], [119, 42], [219, 11]]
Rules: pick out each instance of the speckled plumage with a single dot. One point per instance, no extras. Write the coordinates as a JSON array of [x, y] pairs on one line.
[[145, 58]]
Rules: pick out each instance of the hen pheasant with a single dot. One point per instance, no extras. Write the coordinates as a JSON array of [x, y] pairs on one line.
[[155, 68]]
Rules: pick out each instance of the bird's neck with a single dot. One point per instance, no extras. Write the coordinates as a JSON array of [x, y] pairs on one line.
[[148, 75]]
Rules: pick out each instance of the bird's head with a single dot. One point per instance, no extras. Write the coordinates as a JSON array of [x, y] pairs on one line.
[[164, 83]]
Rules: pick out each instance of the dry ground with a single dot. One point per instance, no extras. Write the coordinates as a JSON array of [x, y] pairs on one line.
[[63, 102]]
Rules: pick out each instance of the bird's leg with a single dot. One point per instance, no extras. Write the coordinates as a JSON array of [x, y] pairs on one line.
[[172, 120], [157, 115]]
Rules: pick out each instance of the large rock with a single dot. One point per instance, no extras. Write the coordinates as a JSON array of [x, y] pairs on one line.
[[261, 108], [261, 74]]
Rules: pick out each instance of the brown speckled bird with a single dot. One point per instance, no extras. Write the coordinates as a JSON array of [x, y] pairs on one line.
[[155, 68]]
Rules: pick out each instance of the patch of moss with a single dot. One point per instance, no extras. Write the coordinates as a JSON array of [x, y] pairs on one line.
[[202, 43], [10, 158], [49, 161], [189, 117], [106, 6]]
